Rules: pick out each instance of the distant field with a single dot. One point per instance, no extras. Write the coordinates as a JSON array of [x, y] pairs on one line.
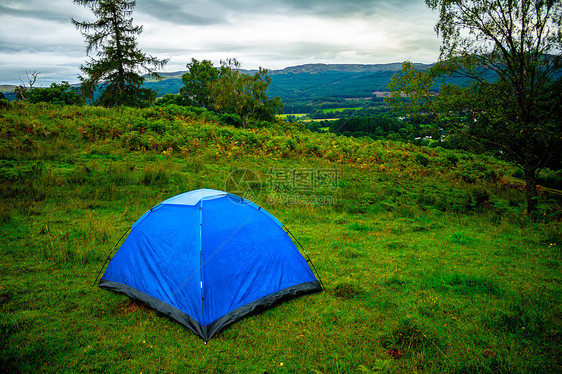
[[335, 110], [284, 116], [319, 119], [7, 88], [303, 117]]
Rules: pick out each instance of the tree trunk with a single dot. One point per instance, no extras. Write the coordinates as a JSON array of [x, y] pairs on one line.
[[531, 188], [121, 84]]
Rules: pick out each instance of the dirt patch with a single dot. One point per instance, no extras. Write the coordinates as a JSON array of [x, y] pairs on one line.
[[132, 306]]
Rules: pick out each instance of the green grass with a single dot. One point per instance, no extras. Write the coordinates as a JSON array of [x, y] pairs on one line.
[[318, 120], [284, 116], [429, 267], [337, 110]]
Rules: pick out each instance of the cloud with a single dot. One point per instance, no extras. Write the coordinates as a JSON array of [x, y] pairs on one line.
[[204, 12], [336, 9], [177, 12], [57, 11], [271, 34]]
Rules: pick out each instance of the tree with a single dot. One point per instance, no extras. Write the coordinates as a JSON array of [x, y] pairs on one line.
[[229, 90], [119, 62], [255, 102], [199, 82], [507, 55], [62, 94], [22, 90], [245, 94]]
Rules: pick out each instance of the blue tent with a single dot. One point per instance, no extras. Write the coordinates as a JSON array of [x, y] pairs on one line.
[[208, 258]]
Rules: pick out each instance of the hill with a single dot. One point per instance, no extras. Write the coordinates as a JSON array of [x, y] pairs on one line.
[[7, 88], [429, 262], [305, 82]]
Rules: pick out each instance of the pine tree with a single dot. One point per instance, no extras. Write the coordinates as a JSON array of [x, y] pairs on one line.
[[119, 62]]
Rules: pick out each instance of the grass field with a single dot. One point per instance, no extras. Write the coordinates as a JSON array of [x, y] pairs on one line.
[[284, 116], [429, 261], [337, 110], [7, 88]]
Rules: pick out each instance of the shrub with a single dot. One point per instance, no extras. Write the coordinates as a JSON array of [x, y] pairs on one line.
[[422, 159], [61, 94], [4, 102], [453, 159], [231, 119], [518, 173], [550, 179], [173, 99]]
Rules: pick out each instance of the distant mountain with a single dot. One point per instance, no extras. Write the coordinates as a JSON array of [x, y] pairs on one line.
[[7, 87], [304, 82], [322, 80], [311, 80], [347, 68]]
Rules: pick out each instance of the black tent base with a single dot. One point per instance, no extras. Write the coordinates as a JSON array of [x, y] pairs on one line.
[[207, 332]]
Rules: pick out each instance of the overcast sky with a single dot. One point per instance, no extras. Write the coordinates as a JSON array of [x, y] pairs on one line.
[[37, 35]]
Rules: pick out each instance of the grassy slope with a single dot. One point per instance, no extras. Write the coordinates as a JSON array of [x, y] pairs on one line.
[[429, 262]]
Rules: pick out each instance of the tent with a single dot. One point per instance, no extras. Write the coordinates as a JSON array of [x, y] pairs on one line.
[[208, 258]]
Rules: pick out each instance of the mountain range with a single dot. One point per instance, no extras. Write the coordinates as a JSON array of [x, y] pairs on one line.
[[303, 81], [311, 80]]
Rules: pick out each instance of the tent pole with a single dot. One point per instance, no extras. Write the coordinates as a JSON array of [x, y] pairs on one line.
[[201, 267], [109, 255], [309, 260]]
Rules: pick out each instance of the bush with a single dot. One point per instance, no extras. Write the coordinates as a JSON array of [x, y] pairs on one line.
[[481, 199], [478, 172], [61, 94], [231, 119], [173, 99], [452, 159], [550, 179], [422, 159], [4, 102]]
